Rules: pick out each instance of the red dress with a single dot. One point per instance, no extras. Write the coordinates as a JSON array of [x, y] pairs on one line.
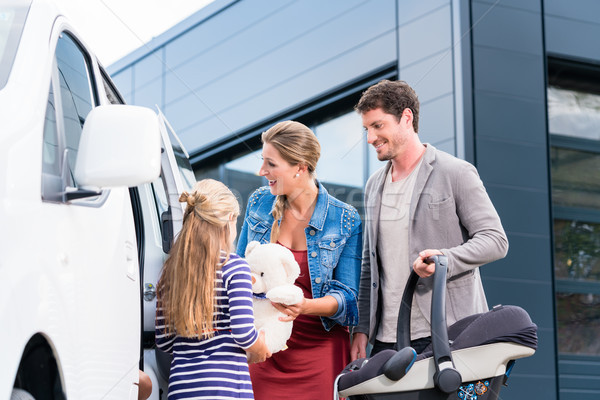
[[307, 369]]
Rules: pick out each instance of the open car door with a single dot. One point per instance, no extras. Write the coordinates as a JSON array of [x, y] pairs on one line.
[[163, 217], [177, 176]]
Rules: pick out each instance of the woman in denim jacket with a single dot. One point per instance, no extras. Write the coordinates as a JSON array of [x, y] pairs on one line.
[[325, 236]]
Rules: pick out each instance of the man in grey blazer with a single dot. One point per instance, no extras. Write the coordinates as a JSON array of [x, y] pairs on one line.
[[423, 202]]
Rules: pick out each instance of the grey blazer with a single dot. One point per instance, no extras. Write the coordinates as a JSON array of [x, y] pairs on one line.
[[450, 210]]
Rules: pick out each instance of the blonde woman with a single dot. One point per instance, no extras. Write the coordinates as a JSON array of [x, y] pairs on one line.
[[204, 315], [325, 237]]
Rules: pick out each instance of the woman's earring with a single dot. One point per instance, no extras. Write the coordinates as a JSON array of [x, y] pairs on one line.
[[297, 175]]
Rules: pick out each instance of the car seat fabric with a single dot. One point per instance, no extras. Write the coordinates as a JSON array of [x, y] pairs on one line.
[[391, 363], [501, 324], [503, 332]]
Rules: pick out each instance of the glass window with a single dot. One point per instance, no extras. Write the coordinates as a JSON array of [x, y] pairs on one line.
[[12, 20], [574, 126], [374, 163], [342, 159], [183, 160], [50, 148], [573, 113], [577, 250], [75, 92], [248, 164], [346, 161], [576, 256], [578, 323], [160, 195], [71, 84], [575, 178], [111, 93], [241, 175], [210, 172], [52, 184], [344, 167]]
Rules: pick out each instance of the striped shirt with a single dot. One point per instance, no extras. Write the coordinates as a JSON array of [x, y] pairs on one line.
[[217, 367]]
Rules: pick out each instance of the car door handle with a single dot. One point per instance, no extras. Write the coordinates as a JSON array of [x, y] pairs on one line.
[[131, 260]]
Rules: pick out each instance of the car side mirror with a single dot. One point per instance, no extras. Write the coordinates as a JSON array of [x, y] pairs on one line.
[[119, 146]]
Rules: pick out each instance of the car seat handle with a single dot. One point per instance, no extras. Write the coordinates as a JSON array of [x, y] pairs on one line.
[[446, 378], [403, 326]]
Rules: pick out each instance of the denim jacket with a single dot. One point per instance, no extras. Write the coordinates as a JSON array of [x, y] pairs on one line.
[[334, 243]]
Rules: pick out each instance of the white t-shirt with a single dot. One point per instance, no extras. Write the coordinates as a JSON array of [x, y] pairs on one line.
[[392, 247]]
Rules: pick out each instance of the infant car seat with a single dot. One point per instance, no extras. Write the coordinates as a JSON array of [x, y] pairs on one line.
[[469, 360]]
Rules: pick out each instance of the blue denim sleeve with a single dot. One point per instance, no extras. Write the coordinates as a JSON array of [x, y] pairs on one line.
[[341, 311], [346, 276]]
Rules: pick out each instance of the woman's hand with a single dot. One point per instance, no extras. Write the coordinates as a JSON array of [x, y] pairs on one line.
[[259, 351], [291, 311]]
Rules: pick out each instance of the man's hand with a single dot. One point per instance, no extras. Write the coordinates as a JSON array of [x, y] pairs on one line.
[[422, 268], [359, 346]]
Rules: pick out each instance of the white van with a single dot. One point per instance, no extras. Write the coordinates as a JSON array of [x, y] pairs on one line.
[[89, 206]]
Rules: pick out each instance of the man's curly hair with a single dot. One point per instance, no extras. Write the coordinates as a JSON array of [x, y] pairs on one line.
[[393, 97]]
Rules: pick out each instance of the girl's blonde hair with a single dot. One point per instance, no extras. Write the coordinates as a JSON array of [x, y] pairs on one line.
[[187, 283], [296, 144]]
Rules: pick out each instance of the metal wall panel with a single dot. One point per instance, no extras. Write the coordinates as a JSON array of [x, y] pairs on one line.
[[276, 56], [571, 38], [517, 165], [425, 36], [494, 121], [523, 35], [276, 97], [577, 377], [512, 158], [572, 28], [149, 95], [124, 82], [149, 69], [425, 61]]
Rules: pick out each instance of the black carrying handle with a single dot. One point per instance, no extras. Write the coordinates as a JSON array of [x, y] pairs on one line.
[[446, 377]]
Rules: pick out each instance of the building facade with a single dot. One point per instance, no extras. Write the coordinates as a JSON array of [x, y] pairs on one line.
[[512, 86]]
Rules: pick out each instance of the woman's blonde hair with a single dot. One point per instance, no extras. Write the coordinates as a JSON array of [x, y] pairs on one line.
[[296, 144], [187, 283]]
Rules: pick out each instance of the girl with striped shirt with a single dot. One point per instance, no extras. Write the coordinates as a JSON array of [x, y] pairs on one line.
[[204, 315]]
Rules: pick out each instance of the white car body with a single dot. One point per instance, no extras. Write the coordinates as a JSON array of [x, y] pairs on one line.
[[71, 254]]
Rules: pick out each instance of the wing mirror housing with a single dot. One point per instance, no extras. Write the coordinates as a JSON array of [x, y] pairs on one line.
[[119, 147]]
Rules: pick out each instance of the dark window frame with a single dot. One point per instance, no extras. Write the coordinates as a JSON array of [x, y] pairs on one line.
[[577, 76]]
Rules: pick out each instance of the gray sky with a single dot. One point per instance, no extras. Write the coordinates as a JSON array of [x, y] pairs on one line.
[[114, 28]]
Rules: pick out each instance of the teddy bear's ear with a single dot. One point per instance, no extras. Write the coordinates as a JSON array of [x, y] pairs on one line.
[[251, 246], [292, 269]]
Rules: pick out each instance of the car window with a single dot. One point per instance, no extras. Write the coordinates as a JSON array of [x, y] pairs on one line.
[[70, 99], [160, 195], [12, 20], [182, 158], [111, 93], [75, 92], [51, 164], [51, 178]]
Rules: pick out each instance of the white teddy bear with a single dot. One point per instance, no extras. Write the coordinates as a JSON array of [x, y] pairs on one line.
[[274, 271]]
